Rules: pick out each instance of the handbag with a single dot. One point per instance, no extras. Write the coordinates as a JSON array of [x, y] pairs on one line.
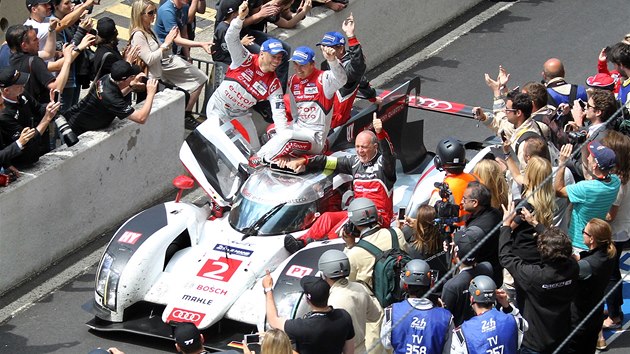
[[138, 61]]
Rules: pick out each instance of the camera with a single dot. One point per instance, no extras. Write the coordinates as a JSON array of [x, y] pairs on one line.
[[351, 230], [66, 133], [577, 137], [447, 212]]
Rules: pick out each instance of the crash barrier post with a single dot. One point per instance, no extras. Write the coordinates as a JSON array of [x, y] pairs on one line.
[[215, 71], [75, 193]]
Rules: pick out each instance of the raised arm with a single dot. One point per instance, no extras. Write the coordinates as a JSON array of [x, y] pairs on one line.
[[238, 52], [335, 78]]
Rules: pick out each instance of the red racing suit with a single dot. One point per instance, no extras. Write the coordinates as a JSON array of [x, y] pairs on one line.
[[313, 97], [374, 180], [353, 63], [243, 86]]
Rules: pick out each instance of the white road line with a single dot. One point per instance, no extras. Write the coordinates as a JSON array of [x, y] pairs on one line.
[[440, 44]]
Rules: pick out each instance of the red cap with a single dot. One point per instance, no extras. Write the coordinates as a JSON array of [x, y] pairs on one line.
[[601, 81]]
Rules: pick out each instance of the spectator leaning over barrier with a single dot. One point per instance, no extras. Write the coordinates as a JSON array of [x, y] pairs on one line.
[[348, 295], [188, 339], [353, 62], [23, 43], [106, 100], [323, 330], [107, 42], [592, 197], [162, 64], [548, 286], [22, 111], [504, 333], [417, 324]]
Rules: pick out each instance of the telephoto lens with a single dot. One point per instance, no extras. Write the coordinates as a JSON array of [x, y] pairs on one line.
[[68, 136]]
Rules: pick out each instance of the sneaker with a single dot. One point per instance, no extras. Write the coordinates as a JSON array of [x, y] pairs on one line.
[[190, 123], [609, 323], [293, 244]]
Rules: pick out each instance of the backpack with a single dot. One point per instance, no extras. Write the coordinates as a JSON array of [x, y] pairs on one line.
[[386, 271]]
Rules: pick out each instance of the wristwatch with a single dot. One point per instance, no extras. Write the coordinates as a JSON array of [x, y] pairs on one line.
[[268, 290]]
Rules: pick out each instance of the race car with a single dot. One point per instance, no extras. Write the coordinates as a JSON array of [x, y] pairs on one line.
[[180, 262]]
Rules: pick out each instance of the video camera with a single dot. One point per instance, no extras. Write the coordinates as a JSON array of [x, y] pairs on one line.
[[447, 213]]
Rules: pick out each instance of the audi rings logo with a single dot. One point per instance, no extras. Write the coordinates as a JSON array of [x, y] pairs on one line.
[[182, 315], [434, 104]]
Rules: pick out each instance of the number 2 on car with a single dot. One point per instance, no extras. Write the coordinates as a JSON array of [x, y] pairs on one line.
[[220, 269]]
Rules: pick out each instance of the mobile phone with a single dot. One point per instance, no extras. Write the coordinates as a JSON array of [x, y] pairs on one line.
[[582, 103], [401, 213], [144, 79], [56, 96], [503, 136], [252, 338]]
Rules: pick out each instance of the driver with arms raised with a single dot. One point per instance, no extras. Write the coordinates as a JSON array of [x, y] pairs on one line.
[[249, 79], [374, 174]]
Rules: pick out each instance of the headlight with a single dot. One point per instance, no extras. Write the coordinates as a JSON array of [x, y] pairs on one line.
[[107, 282]]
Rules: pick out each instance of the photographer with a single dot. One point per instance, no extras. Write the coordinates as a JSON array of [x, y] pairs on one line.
[[22, 111], [106, 100]]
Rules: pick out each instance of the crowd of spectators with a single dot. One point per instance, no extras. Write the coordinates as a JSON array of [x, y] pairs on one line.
[[546, 222]]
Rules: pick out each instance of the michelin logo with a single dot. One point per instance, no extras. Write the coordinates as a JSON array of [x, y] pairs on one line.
[[233, 250]]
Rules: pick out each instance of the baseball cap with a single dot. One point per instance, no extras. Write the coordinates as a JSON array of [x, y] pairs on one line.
[[303, 55], [122, 70], [601, 81], [10, 77], [31, 3], [272, 46], [187, 335], [315, 288], [106, 28], [332, 39], [229, 6], [465, 240], [603, 155]]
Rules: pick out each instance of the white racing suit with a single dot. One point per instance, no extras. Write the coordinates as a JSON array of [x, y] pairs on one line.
[[244, 85], [313, 97]]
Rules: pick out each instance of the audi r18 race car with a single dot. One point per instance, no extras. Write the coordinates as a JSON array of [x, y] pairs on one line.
[[178, 261]]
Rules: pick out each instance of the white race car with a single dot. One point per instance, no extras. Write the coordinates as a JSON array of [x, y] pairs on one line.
[[179, 262]]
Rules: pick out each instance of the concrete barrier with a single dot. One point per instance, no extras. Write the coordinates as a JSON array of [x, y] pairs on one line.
[[72, 194]]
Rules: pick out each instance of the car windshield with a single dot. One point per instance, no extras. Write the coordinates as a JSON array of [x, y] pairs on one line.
[[266, 189]]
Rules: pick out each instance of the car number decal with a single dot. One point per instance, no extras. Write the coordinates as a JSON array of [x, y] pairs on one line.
[[220, 269], [299, 271]]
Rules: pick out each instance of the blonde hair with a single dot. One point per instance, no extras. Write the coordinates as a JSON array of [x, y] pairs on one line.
[[601, 233], [276, 341], [489, 171], [544, 198], [427, 236], [138, 7]]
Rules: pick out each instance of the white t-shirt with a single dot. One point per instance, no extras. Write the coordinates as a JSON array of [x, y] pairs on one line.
[[621, 225], [42, 30]]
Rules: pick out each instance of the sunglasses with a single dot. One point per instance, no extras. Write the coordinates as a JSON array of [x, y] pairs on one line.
[[150, 13]]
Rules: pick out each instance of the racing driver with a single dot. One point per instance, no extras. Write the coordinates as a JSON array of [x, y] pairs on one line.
[[374, 175], [311, 93], [249, 79]]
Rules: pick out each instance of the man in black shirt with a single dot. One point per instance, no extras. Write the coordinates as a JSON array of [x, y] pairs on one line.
[[22, 111], [106, 100], [323, 330]]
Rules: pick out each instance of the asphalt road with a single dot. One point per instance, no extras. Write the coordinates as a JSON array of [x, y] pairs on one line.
[[451, 64]]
